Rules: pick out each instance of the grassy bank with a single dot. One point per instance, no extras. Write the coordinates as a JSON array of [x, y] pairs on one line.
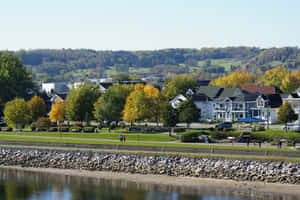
[[159, 137], [135, 143]]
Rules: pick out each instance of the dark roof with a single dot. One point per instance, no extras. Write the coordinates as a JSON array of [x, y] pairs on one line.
[[274, 100], [260, 89], [294, 95], [230, 92], [246, 97], [284, 96], [203, 82], [200, 97], [241, 98], [106, 85], [210, 91]]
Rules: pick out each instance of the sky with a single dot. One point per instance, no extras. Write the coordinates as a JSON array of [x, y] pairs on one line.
[[148, 24]]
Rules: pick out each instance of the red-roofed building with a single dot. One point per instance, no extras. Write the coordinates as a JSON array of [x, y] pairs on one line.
[[261, 89]]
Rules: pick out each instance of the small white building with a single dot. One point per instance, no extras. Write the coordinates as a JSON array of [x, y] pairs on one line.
[[59, 88], [177, 100]]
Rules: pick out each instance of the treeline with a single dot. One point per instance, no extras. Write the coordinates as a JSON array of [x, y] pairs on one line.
[[68, 64]]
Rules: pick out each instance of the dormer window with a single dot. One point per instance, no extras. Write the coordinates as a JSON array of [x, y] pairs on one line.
[[260, 102]]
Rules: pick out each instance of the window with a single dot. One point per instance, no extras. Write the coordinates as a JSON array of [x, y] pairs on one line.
[[260, 102]]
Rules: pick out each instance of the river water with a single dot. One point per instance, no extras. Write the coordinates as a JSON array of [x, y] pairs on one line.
[[24, 185]]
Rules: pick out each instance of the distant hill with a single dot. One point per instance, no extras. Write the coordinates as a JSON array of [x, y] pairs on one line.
[[68, 64]]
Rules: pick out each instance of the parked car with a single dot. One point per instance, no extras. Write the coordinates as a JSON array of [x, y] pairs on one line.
[[294, 127], [224, 125]]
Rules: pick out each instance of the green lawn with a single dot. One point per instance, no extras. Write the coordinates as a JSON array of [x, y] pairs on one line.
[[226, 63], [272, 135], [139, 143], [160, 137]]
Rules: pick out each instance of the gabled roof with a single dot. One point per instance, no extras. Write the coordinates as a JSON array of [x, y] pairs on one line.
[[230, 92], [200, 97], [260, 89], [240, 98], [246, 97], [274, 100], [210, 91]]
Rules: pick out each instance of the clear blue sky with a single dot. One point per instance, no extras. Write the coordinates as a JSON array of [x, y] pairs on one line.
[[148, 24]]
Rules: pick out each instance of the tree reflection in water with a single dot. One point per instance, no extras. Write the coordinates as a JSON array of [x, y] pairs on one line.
[[22, 185]]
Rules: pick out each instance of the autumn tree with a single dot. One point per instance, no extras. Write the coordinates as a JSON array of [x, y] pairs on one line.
[[286, 113], [188, 112], [37, 107], [111, 104], [57, 112], [144, 102], [236, 79], [179, 84], [274, 77], [80, 102], [16, 113], [291, 82]]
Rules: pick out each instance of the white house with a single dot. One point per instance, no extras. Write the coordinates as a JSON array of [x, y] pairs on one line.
[[59, 88]]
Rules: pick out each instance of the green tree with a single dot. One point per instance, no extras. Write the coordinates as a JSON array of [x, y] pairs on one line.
[[15, 81], [16, 113], [169, 116], [178, 85], [80, 102], [286, 113], [111, 104], [37, 107], [188, 112]]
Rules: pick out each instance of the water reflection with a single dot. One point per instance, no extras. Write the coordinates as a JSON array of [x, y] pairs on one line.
[[21, 185]]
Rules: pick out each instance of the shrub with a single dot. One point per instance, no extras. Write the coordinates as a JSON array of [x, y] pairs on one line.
[[89, 129], [220, 135], [33, 126], [43, 123], [64, 129], [52, 129], [75, 129], [190, 137], [77, 124], [179, 130], [113, 125], [122, 125], [6, 129]]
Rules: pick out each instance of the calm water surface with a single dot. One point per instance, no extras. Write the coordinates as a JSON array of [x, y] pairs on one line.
[[21, 185]]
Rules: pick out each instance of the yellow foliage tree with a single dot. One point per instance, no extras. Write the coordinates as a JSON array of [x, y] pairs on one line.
[[236, 79], [37, 107], [57, 112], [274, 77], [290, 82], [143, 102]]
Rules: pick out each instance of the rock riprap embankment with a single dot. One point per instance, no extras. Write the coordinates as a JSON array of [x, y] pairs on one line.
[[241, 170]]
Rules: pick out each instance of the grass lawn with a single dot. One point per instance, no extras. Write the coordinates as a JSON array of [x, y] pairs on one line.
[[272, 135], [138, 143], [160, 137], [226, 63]]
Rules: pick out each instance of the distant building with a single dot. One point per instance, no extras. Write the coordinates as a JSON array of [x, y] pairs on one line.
[[57, 88]]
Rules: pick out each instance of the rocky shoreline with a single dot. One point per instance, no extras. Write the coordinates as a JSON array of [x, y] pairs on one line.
[[219, 168]]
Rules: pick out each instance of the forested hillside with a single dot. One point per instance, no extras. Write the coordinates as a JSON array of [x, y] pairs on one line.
[[67, 64]]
